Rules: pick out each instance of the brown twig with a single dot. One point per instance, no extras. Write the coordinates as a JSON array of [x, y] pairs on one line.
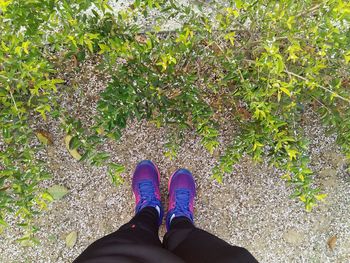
[[309, 11]]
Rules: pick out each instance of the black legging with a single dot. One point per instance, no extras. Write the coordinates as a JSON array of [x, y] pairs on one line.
[[138, 241]]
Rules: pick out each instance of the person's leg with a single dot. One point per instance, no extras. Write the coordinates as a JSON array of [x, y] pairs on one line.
[[184, 239], [141, 230], [198, 246]]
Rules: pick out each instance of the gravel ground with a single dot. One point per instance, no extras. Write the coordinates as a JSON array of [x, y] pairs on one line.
[[251, 208]]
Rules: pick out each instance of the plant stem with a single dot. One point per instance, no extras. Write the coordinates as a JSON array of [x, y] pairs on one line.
[[14, 102], [320, 86]]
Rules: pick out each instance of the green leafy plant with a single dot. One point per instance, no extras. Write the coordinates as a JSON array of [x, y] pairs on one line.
[[34, 37], [252, 65], [257, 64]]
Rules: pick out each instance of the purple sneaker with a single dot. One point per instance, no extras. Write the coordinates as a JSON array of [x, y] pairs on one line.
[[182, 191], [145, 185]]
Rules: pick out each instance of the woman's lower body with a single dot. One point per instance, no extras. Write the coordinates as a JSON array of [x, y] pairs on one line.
[[138, 240]]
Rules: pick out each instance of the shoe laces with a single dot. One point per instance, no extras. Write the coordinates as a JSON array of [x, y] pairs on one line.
[[147, 193], [182, 202]]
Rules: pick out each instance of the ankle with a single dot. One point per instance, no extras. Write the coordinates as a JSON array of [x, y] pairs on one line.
[[150, 209], [181, 222]]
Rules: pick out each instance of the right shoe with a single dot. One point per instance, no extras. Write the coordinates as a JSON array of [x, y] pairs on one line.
[[182, 191], [145, 185]]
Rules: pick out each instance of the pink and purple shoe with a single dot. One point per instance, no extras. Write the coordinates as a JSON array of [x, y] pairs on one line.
[[182, 190], [145, 185]]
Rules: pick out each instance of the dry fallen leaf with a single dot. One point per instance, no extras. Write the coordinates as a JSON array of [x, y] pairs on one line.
[[244, 113], [76, 155], [57, 191], [44, 137], [141, 39], [173, 93], [71, 239], [216, 48], [75, 61], [331, 242]]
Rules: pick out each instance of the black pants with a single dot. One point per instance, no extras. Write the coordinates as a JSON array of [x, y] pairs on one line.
[[138, 241]]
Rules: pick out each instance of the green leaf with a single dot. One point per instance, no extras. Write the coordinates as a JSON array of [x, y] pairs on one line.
[[292, 153], [286, 91], [347, 57], [3, 222], [320, 197], [231, 37], [290, 22], [115, 171]]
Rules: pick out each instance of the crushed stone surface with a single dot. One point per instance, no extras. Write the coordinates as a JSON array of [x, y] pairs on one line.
[[252, 208]]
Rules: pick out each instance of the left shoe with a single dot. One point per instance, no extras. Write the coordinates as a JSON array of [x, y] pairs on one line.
[[145, 185]]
